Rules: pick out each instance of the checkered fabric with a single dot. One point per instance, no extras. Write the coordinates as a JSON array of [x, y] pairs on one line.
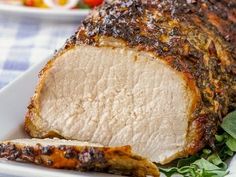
[[25, 42]]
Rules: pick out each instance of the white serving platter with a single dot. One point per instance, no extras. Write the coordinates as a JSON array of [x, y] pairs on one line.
[[14, 99], [45, 14]]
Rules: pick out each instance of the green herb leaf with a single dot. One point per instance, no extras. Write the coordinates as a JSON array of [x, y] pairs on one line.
[[214, 173], [229, 124], [210, 163], [219, 138], [210, 169], [216, 160], [206, 151], [231, 143], [190, 171], [204, 164], [168, 171], [186, 161], [229, 152]]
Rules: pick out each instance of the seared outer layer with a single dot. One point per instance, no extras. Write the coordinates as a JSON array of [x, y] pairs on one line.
[[192, 36], [196, 38], [116, 160]]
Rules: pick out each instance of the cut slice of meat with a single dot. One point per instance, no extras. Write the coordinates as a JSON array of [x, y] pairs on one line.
[[146, 75], [115, 97], [75, 155]]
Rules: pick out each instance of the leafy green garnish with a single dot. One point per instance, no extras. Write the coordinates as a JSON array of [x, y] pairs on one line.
[[204, 164], [210, 169], [209, 163], [185, 171], [186, 161], [219, 138], [216, 160], [231, 143], [229, 124], [200, 168], [229, 152]]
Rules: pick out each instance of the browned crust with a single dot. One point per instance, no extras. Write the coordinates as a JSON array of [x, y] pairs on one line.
[[33, 113], [116, 160], [194, 38]]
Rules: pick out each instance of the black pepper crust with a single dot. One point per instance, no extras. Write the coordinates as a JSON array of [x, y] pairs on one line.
[[197, 38], [115, 160]]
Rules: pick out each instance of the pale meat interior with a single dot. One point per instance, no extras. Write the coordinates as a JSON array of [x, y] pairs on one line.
[[117, 96], [52, 142]]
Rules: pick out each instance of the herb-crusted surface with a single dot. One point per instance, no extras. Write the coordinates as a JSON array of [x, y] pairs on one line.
[[195, 37], [116, 160]]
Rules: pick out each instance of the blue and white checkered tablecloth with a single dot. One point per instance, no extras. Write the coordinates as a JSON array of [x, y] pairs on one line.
[[25, 42]]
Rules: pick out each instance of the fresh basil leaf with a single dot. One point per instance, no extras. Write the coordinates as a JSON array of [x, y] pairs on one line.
[[229, 124], [231, 143]]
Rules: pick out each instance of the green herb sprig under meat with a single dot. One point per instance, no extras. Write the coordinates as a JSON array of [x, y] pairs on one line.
[[209, 163]]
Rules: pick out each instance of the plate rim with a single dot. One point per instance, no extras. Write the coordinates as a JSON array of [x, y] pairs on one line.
[[41, 11], [23, 74]]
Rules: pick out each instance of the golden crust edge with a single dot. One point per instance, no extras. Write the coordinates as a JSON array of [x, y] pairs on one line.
[[33, 112], [66, 157]]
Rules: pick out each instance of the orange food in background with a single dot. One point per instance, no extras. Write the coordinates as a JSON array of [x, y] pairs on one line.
[[34, 3], [41, 4]]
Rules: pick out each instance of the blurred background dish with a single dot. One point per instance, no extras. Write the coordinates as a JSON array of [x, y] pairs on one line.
[[57, 10], [59, 4], [67, 4], [29, 34], [38, 9], [41, 13], [62, 4]]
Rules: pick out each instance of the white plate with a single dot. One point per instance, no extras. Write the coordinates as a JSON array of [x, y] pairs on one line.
[[48, 14], [14, 99]]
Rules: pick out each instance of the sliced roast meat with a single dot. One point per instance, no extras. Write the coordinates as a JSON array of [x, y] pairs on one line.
[[158, 77], [75, 155]]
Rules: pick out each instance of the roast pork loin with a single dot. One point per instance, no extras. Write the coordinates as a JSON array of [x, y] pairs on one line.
[[66, 154], [158, 76]]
